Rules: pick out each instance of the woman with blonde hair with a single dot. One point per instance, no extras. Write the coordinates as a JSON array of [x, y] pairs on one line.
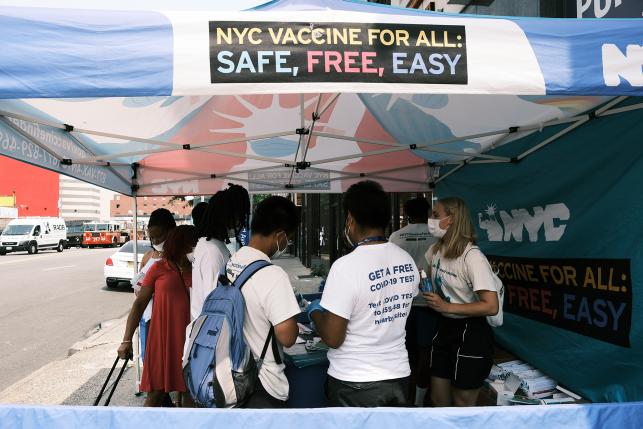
[[465, 292]]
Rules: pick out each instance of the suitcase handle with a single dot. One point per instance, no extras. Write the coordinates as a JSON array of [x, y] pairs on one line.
[[120, 374]]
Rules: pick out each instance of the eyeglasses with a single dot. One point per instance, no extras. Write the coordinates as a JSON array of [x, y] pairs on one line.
[[289, 241]]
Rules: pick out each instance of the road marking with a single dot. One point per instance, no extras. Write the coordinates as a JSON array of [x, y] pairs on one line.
[[35, 257], [57, 268]]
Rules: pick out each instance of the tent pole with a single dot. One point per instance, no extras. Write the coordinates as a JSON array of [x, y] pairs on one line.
[[113, 164], [204, 176], [372, 174], [30, 119], [407, 147], [605, 110], [390, 170], [201, 146], [120, 176], [312, 127], [357, 175], [554, 137], [623, 109], [491, 146], [135, 218], [420, 146], [583, 119], [137, 386], [198, 146], [301, 136], [302, 107], [328, 103]]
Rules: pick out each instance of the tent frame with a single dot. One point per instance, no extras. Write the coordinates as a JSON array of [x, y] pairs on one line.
[[305, 136]]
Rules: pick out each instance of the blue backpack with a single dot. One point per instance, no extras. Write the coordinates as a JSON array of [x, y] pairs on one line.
[[219, 368]]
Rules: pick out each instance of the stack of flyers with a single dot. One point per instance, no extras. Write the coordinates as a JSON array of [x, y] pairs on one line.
[[506, 365], [568, 392], [316, 345], [304, 330], [540, 387], [497, 373], [523, 400], [556, 401]]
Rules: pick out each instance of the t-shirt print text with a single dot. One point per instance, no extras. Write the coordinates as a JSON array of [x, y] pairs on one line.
[[443, 271], [393, 305], [233, 270]]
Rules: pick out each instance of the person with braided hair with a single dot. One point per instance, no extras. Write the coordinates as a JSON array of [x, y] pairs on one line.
[[227, 214]]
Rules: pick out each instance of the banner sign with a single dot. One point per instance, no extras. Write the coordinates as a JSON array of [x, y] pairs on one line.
[[261, 180], [18, 146], [604, 9], [288, 52], [592, 297], [571, 264], [244, 237]]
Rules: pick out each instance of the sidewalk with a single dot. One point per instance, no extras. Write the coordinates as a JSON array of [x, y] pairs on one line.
[[77, 379], [294, 268]]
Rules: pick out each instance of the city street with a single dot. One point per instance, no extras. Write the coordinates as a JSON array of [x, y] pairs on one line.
[[50, 301]]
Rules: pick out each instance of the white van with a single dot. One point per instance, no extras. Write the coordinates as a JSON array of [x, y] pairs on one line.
[[33, 234]]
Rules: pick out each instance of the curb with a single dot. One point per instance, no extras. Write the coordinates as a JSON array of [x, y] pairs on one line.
[[92, 340]]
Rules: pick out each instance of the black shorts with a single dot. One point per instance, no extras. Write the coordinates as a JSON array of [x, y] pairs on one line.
[[462, 351]]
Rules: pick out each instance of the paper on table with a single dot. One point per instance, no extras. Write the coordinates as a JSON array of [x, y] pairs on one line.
[[303, 329], [317, 344], [569, 392], [299, 341]]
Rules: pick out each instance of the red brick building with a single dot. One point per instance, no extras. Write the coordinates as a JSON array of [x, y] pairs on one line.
[[121, 206], [37, 189]]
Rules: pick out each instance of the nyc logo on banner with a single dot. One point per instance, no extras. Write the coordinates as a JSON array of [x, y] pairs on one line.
[[617, 66], [521, 219], [591, 297], [337, 52]]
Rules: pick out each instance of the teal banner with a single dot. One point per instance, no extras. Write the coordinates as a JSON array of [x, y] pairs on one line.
[[564, 225]]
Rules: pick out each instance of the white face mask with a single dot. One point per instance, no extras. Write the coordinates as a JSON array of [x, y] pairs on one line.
[[347, 230], [190, 257], [434, 227], [158, 247], [278, 253]]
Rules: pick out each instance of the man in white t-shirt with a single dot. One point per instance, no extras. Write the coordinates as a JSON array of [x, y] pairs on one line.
[[416, 239], [210, 255], [269, 298], [363, 311]]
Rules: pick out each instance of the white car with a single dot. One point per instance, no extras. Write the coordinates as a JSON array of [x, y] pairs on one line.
[[120, 266]]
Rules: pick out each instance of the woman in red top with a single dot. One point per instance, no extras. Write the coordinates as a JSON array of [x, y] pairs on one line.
[[170, 280]]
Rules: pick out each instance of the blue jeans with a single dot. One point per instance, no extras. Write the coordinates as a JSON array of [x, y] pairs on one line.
[[144, 329]]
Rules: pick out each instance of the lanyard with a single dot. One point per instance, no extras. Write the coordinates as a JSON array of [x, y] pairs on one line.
[[369, 240]]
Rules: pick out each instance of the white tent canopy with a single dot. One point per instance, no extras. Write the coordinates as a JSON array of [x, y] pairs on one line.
[[295, 95], [311, 96]]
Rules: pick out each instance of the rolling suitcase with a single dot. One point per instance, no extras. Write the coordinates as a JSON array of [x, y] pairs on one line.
[[120, 374]]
